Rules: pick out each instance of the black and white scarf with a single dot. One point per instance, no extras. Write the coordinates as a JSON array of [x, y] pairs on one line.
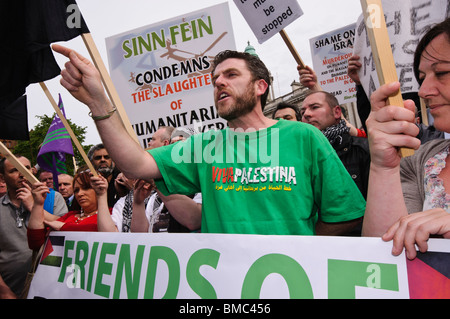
[[127, 211], [334, 133]]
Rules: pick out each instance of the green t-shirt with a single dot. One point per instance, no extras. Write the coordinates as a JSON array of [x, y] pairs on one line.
[[272, 181]]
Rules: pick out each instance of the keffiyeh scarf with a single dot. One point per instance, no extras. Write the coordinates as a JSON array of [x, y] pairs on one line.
[[334, 133]]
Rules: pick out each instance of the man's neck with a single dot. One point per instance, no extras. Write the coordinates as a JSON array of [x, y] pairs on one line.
[[254, 120], [12, 198]]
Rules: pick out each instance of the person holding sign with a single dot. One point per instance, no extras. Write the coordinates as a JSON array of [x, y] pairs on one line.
[[413, 191], [15, 207], [308, 78], [94, 215], [426, 133], [244, 189]]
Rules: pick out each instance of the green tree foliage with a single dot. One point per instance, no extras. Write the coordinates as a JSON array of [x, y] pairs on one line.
[[30, 148]]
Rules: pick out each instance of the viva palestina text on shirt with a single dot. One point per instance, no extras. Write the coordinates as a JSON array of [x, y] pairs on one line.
[[247, 178], [239, 161]]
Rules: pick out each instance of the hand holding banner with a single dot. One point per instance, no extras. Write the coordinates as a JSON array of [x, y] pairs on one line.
[[382, 53]]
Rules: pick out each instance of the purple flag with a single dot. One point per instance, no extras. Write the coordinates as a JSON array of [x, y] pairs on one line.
[[57, 143]]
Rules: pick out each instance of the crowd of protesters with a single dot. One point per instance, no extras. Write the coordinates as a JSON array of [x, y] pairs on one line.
[[323, 165]]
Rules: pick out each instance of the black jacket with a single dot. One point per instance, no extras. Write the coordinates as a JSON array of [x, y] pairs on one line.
[[355, 155]]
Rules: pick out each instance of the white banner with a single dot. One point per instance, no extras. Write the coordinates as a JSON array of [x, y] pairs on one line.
[[210, 266], [330, 53], [406, 22], [268, 17], [162, 72]]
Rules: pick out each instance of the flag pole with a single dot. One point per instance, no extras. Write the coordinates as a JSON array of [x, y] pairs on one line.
[[75, 166], [294, 53], [68, 128], [382, 53], [17, 164], [107, 82]]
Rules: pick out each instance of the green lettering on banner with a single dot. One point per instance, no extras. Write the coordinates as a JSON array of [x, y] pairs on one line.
[[104, 268], [297, 281], [345, 275], [67, 261], [197, 282], [171, 259], [92, 265], [131, 278], [83, 247]]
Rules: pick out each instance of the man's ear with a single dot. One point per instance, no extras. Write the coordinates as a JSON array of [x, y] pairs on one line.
[[337, 112], [261, 87]]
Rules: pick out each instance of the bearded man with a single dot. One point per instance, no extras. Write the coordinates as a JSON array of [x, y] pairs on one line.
[[257, 176]]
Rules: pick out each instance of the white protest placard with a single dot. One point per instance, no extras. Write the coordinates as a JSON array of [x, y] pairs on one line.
[[268, 17], [162, 71], [330, 53], [406, 22], [228, 266]]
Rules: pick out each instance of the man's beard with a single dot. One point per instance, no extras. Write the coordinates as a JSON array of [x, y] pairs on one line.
[[106, 171], [245, 103]]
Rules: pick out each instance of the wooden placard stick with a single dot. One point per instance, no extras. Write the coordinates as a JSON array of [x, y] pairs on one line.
[[294, 53], [423, 111], [107, 82], [17, 164], [68, 128], [291, 48], [382, 52]]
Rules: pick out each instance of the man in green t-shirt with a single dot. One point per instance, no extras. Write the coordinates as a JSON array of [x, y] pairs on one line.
[[301, 188]]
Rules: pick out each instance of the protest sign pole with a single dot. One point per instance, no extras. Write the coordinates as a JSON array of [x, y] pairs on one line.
[[291, 48], [294, 53], [67, 126], [17, 164], [110, 89], [382, 52], [423, 111]]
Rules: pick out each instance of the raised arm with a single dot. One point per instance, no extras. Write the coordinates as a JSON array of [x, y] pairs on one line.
[[389, 127], [308, 78], [37, 216], [139, 221], [104, 220], [82, 79]]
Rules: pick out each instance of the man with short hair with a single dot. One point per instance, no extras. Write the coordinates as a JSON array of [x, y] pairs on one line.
[[65, 183], [288, 112], [54, 201], [103, 163], [322, 110], [15, 208], [243, 190], [47, 178], [161, 137]]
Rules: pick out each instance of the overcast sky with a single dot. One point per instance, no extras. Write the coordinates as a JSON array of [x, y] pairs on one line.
[[106, 18]]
